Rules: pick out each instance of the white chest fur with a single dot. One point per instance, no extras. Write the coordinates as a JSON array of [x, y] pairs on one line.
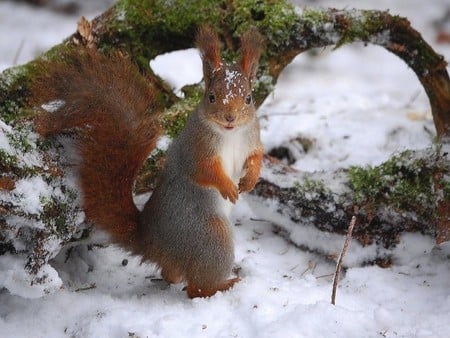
[[234, 151]]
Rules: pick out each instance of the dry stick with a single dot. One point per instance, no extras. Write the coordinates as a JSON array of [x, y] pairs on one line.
[[18, 51], [341, 259]]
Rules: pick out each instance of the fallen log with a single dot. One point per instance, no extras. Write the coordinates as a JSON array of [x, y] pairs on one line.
[[397, 197]]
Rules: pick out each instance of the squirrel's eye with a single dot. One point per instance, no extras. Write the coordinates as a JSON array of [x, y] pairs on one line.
[[212, 98], [248, 99]]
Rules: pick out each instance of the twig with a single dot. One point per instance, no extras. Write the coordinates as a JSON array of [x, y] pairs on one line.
[[89, 287], [18, 51], [259, 220], [341, 259]]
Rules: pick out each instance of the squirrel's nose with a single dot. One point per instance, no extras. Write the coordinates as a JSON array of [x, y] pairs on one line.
[[229, 118]]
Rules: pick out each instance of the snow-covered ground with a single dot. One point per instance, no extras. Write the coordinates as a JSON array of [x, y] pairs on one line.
[[357, 105]]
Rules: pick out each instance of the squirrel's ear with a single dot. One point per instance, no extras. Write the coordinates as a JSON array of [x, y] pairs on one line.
[[252, 44], [208, 43]]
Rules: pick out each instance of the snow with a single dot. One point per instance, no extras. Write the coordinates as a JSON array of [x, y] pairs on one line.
[[362, 91], [28, 194], [188, 63], [18, 282], [231, 83], [358, 106], [4, 142]]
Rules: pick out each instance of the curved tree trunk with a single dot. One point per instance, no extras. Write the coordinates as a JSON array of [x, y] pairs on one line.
[[145, 29], [310, 29]]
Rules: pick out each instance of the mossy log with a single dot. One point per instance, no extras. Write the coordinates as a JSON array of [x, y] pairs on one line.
[[39, 201], [402, 195], [145, 29], [167, 27]]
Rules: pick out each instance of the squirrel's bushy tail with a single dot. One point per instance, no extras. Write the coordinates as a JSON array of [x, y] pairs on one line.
[[110, 107]]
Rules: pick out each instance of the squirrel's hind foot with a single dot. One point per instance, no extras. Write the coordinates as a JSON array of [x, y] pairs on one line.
[[194, 291]]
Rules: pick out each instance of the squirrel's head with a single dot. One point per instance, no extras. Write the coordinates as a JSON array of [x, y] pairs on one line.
[[228, 100]]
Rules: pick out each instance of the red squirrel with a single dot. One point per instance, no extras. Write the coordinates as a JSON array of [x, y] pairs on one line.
[[184, 227]]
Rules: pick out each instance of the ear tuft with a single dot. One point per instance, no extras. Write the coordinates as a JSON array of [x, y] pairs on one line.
[[252, 44], [208, 43]]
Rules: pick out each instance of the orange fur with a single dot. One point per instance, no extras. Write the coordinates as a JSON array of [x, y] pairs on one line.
[[253, 168], [251, 50], [208, 43], [210, 173], [171, 274], [193, 291], [109, 106]]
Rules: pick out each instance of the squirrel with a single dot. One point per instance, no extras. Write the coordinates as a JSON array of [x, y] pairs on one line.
[[184, 227]]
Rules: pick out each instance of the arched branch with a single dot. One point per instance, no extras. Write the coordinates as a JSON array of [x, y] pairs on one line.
[[333, 27], [145, 29]]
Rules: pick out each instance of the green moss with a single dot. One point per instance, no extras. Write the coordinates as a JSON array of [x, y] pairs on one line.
[[176, 116], [263, 86], [275, 19], [314, 18], [342, 27], [153, 21], [144, 26], [13, 93], [59, 214], [57, 53], [446, 188], [8, 162], [310, 197], [402, 182], [13, 163], [149, 173], [310, 186], [19, 140], [360, 26], [310, 190], [314, 25]]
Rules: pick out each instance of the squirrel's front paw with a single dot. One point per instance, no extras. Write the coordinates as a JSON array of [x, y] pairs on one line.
[[230, 191], [246, 184]]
